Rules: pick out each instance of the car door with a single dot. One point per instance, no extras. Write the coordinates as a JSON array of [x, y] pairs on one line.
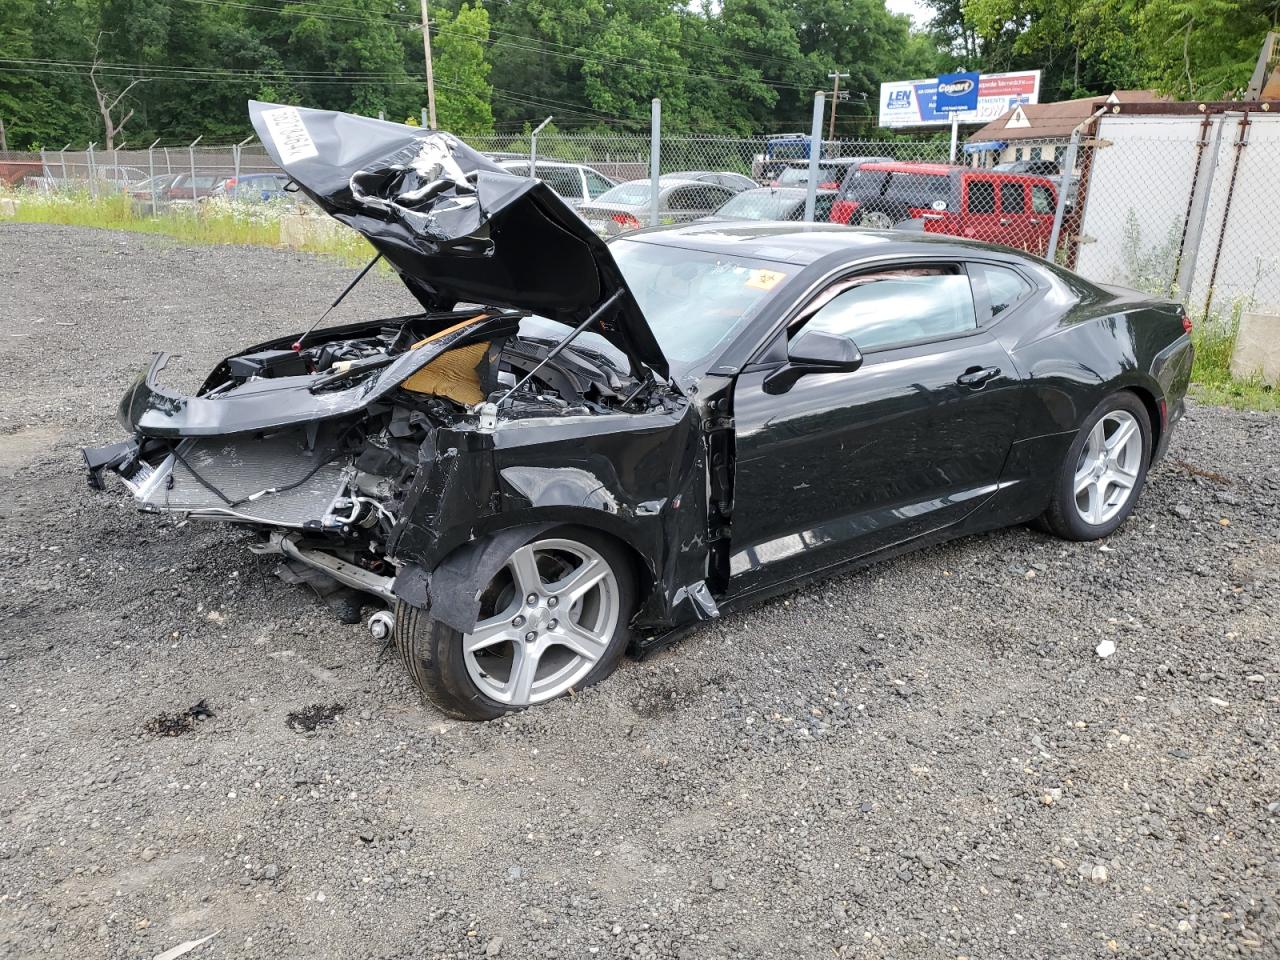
[[1044, 204], [979, 218], [842, 465], [1015, 214]]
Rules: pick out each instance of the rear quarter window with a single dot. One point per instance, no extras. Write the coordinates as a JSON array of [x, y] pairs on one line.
[[865, 184], [918, 189]]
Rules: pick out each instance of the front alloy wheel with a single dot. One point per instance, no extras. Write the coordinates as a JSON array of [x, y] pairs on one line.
[[553, 619]]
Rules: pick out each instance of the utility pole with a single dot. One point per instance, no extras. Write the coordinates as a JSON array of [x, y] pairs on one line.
[[835, 79], [431, 82]]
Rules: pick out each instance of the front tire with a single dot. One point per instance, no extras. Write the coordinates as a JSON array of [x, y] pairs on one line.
[[1104, 470], [553, 620]]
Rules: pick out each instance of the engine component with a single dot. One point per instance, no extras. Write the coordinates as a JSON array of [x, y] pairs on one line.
[[267, 363]]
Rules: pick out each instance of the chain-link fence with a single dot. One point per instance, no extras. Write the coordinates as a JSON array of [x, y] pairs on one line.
[[1182, 206], [1177, 205]]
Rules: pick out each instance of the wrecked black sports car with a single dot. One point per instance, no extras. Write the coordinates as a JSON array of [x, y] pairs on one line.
[[576, 447]]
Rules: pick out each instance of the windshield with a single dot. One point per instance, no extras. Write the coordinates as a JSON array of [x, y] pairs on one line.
[[627, 194], [759, 205], [695, 300]]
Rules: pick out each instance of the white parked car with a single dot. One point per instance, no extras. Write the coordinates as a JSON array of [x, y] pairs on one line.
[[574, 182]]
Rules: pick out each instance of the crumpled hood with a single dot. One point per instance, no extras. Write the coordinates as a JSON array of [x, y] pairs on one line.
[[455, 225]]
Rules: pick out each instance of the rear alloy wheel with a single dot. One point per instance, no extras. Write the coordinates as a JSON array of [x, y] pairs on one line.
[[876, 220], [1104, 470], [554, 619]]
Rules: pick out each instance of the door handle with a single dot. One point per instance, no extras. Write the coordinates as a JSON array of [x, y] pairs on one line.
[[977, 376]]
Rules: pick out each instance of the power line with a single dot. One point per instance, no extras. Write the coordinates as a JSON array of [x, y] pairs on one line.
[[306, 7], [683, 41], [232, 75]]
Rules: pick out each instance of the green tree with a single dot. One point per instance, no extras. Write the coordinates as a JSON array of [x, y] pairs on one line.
[[463, 92], [1202, 49]]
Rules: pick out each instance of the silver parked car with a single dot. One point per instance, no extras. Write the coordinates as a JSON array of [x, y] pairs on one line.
[[736, 182], [626, 206], [574, 182]]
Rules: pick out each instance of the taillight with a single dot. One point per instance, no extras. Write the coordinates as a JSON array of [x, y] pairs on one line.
[[842, 211], [626, 221], [1186, 321]]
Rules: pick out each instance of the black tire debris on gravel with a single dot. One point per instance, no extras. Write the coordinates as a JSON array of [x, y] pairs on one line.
[[179, 722], [927, 759]]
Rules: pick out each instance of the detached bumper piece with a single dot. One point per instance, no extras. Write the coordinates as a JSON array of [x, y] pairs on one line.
[[119, 457], [294, 478]]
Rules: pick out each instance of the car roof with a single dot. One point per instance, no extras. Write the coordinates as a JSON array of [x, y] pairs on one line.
[[911, 166], [805, 243], [788, 192], [505, 161]]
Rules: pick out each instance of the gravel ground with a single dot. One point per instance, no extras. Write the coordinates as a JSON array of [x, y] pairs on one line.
[[924, 760]]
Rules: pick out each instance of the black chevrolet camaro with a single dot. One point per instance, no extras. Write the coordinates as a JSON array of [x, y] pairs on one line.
[[575, 447]]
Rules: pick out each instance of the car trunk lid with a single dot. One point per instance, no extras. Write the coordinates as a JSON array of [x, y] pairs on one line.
[[455, 225]]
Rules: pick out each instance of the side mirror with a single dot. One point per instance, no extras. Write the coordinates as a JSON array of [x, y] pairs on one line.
[[814, 351]]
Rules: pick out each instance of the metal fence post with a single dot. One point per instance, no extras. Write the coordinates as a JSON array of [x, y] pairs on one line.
[[151, 169], [238, 152], [655, 153], [1068, 167], [533, 146], [815, 148], [1195, 223], [191, 151]]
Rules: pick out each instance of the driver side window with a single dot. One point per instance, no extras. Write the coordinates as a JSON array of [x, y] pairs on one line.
[[882, 309]]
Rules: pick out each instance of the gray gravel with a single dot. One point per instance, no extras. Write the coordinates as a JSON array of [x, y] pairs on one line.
[[925, 760]]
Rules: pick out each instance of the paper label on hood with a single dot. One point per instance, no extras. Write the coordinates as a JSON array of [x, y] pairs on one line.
[[289, 134]]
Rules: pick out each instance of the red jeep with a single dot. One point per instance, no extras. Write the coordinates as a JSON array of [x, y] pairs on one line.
[[1008, 208]]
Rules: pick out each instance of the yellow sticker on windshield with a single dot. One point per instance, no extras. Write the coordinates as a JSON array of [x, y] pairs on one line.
[[764, 279]]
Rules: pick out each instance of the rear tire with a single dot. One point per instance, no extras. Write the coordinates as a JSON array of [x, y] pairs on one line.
[[1104, 471], [521, 653], [876, 220]]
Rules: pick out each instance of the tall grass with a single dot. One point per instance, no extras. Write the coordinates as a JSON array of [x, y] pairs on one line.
[[213, 221], [1211, 377]]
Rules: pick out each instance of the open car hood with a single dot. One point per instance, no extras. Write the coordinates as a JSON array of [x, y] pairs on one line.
[[455, 225]]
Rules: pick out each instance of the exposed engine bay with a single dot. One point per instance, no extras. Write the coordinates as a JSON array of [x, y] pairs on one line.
[[341, 484]]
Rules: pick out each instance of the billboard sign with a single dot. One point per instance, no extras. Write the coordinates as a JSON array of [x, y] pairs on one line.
[[920, 103], [957, 92]]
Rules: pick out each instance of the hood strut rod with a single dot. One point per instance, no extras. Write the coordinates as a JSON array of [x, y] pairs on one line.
[[555, 351], [297, 345]]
